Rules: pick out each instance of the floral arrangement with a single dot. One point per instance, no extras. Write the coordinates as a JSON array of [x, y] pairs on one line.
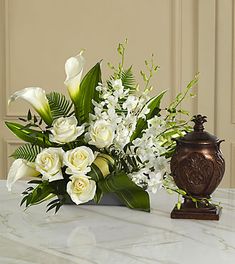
[[108, 138]]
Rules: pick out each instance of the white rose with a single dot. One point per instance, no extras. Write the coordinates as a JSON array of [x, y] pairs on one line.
[[65, 130], [101, 134], [20, 168], [81, 189], [78, 160], [49, 163]]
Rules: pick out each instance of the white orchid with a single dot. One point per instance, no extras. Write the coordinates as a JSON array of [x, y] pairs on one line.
[[36, 96], [73, 69], [20, 168]]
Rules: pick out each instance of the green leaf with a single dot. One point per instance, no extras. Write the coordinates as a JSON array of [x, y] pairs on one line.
[[95, 173], [41, 193], [87, 93], [59, 104], [29, 116], [154, 106], [180, 97], [128, 79], [27, 152], [34, 137], [98, 195], [132, 195]]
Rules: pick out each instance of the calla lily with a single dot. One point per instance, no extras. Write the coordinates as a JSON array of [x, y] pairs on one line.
[[73, 69], [20, 168], [36, 96]]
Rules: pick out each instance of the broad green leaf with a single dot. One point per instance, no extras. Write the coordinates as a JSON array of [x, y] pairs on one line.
[[154, 106], [29, 135], [132, 195], [40, 194], [95, 173], [87, 93], [98, 195]]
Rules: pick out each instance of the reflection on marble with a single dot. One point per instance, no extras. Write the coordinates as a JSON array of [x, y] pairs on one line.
[[114, 235]]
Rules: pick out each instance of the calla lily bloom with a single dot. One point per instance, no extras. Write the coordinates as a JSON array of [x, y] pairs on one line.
[[36, 96], [20, 168], [73, 69]]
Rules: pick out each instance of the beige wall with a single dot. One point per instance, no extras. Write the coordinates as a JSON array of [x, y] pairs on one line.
[[36, 37]]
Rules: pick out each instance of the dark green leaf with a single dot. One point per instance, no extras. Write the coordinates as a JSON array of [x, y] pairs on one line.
[[132, 195], [29, 116], [23, 200], [87, 93], [98, 195], [29, 135]]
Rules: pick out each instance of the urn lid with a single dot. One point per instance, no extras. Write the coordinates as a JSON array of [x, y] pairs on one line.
[[199, 136]]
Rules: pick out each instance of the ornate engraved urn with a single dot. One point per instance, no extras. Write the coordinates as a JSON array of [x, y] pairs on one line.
[[197, 167]]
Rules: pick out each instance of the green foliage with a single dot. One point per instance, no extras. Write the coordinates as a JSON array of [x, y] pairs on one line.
[[128, 79], [154, 106], [87, 93], [132, 195], [28, 152], [34, 137], [59, 104], [42, 192], [172, 109]]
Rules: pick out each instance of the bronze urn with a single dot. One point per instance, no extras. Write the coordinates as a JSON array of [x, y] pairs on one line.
[[197, 167]]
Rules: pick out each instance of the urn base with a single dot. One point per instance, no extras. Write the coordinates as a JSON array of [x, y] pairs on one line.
[[206, 213]]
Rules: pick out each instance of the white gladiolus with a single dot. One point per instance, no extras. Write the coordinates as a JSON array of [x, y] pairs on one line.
[[49, 163], [36, 96], [101, 134], [73, 69], [65, 130], [78, 160], [81, 189], [20, 168]]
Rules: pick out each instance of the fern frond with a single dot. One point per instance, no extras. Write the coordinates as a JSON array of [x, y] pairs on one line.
[[59, 104], [28, 152], [128, 79]]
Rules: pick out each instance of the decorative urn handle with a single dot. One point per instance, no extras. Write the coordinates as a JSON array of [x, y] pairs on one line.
[[197, 167]]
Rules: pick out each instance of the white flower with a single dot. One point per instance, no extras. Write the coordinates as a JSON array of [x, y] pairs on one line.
[[155, 181], [74, 68], [36, 96], [49, 163], [78, 160], [65, 130], [118, 88], [101, 134], [131, 103], [81, 189], [20, 168]]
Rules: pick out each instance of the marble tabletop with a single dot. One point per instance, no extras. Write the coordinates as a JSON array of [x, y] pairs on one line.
[[113, 235]]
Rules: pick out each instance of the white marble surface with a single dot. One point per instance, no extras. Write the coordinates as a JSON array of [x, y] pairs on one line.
[[113, 235]]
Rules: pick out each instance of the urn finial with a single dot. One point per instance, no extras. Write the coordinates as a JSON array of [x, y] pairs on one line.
[[199, 120]]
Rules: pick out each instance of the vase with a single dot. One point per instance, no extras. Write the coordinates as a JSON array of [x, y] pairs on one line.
[[109, 199], [197, 167]]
